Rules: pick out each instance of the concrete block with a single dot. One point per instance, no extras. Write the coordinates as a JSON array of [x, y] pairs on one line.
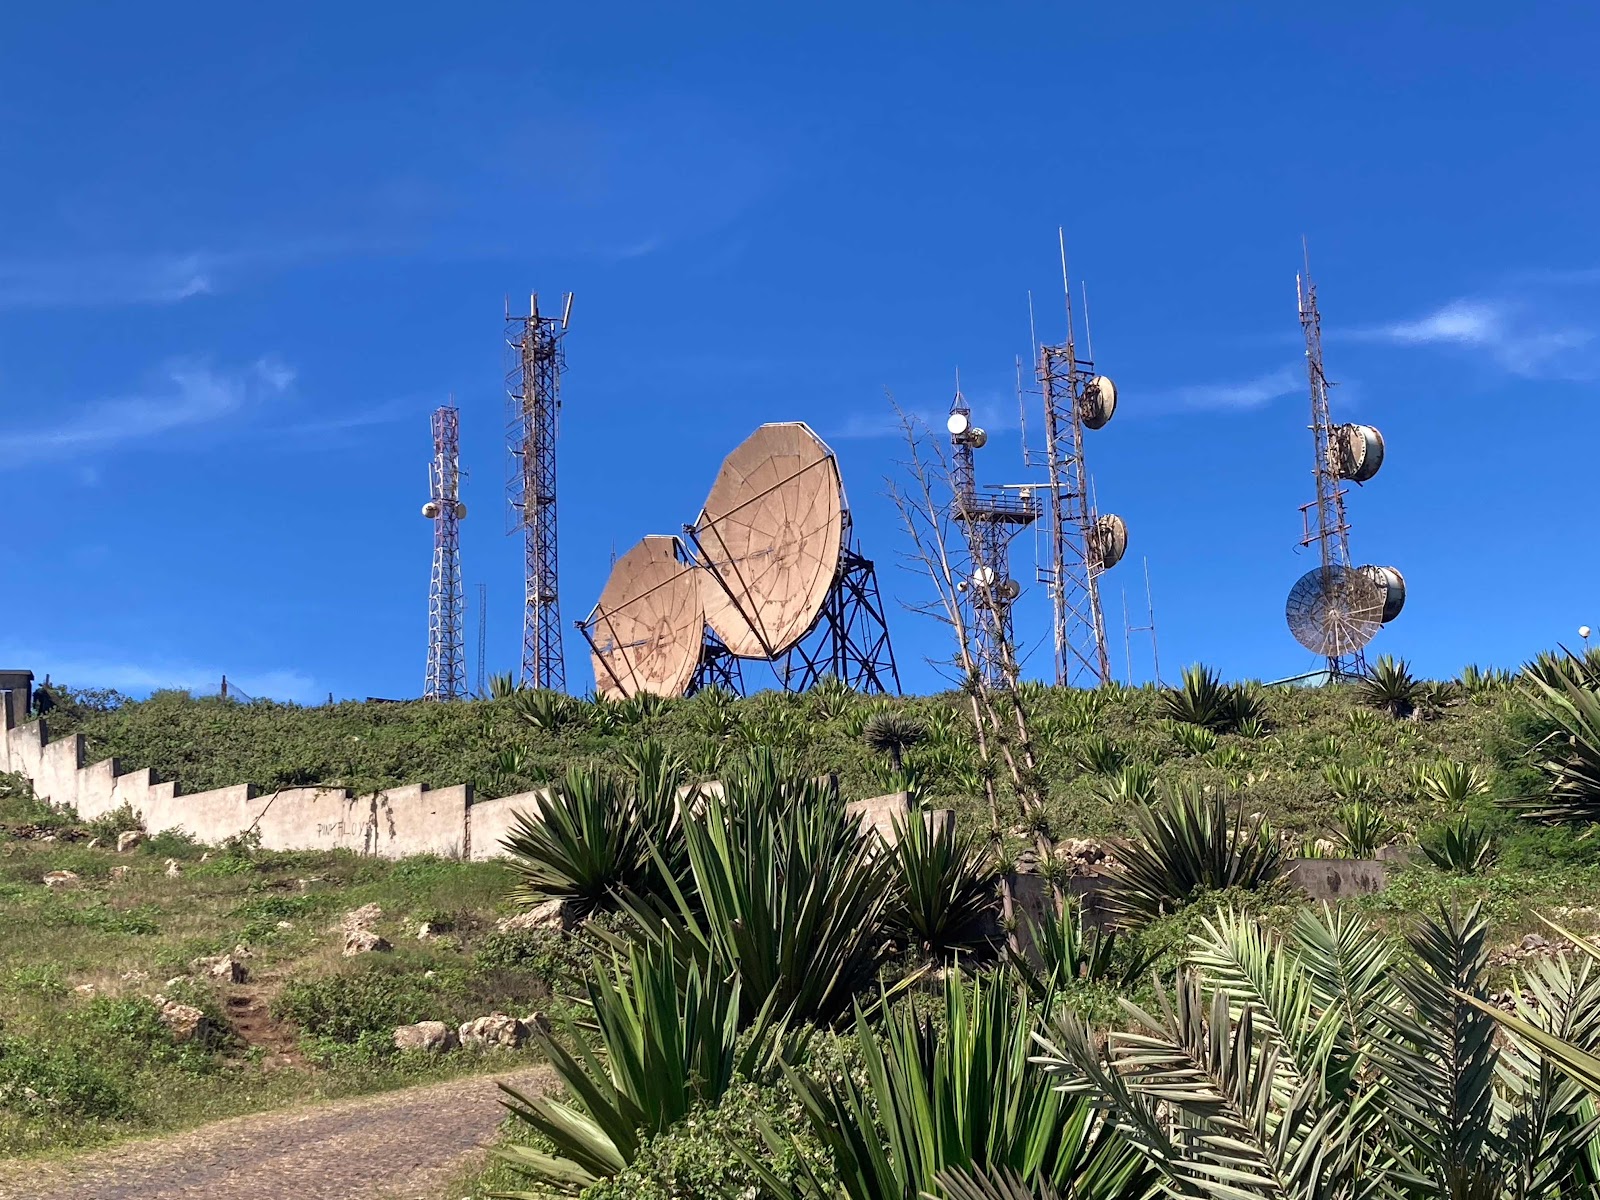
[[879, 813], [57, 777], [133, 789], [489, 821], [96, 790], [420, 820], [1337, 878], [314, 819], [210, 817]]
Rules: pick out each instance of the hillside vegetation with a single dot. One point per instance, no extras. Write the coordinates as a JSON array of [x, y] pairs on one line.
[[1309, 749]]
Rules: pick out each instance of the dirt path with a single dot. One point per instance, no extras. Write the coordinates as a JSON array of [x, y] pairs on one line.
[[401, 1145]]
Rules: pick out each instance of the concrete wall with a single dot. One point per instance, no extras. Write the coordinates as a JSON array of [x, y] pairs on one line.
[[393, 824]]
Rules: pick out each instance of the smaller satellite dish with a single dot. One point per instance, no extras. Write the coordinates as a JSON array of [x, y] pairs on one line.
[[1098, 403], [985, 576], [1355, 452], [977, 439], [461, 510], [430, 510], [1108, 541], [1010, 589], [958, 423], [1394, 589], [1583, 632]]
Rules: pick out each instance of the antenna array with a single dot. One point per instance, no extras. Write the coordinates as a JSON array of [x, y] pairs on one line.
[[533, 388], [447, 667]]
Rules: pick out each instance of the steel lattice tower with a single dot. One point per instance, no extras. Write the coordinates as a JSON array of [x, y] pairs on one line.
[[1324, 518], [989, 519], [533, 386], [1072, 574], [447, 664]]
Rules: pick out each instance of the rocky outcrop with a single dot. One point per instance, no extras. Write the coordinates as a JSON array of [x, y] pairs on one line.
[[552, 914], [364, 941], [431, 1037], [497, 1031]]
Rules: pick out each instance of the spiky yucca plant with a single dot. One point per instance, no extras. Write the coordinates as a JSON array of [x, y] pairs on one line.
[[1452, 784], [1462, 846], [1360, 828], [893, 733], [543, 708], [666, 1037], [1134, 784], [1204, 700], [1322, 1065], [1097, 754], [1391, 687], [953, 1091], [1569, 758], [1059, 949], [1188, 843], [944, 895]]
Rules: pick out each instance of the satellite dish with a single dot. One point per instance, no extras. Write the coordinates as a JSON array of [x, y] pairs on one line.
[[1108, 541], [1098, 402], [771, 535], [977, 439], [958, 423], [461, 511], [1010, 589], [1355, 452], [1393, 585], [648, 626], [430, 510], [1335, 610]]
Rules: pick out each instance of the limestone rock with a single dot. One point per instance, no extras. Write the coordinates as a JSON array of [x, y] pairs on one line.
[[128, 839], [364, 917], [225, 967], [84, 989], [364, 941], [135, 977], [187, 1023], [58, 880], [434, 1037], [92, 844], [173, 869], [497, 1031], [536, 1022], [118, 874], [427, 931], [552, 914], [284, 925]]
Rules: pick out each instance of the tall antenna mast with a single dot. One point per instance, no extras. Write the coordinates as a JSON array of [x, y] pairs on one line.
[[1129, 629], [1336, 608], [447, 667], [533, 387], [1082, 545]]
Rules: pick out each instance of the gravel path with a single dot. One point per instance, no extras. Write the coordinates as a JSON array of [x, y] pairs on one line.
[[403, 1145]]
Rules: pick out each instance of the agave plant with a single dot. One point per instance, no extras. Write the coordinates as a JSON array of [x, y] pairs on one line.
[[1059, 949], [1189, 843], [893, 733], [1475, 680], [501, 686], [1569, 758], [1390, 687], [1554, 670], [944, 886], [542, 708], [1322, 1065], [1360, 829], [591, 837], [1097, 754], [1349, 783], [1193, 739], [1451, 784], [831, 697], [1462, 846], [1204, 700], [783, 890], [666, 1038], [1135, 784], [953, 1092]]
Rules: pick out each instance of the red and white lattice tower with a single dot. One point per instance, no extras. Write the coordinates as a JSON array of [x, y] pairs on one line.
[[447, 664]]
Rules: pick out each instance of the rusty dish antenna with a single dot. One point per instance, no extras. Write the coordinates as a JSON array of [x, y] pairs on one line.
[[770, 537], [646, 632], [1336, 610]]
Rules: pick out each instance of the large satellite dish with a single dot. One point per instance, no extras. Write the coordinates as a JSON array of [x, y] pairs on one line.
[[648, 627], [1335, 610], [770, 536]]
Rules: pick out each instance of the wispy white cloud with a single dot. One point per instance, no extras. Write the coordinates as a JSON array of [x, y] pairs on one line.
[[1511, 334], [1237, 396], [108, 280], [190, 394]]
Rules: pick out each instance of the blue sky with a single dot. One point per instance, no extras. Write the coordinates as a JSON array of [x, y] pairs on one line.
[[244, 253]]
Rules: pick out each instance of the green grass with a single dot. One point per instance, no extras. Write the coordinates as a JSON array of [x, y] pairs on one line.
[[81, 1069]]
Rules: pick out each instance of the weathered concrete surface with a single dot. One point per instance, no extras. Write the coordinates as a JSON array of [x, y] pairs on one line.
[[1337, 878], [489, 821]]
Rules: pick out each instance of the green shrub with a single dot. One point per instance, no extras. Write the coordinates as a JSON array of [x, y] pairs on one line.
[[371, 1000], [58, 1081]]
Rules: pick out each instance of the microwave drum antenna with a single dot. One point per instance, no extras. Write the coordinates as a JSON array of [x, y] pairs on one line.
[[646, 631], [771, 535], [1393, 586], [1098, 404], [1355, 452], [1335, 610], [1108, 541]]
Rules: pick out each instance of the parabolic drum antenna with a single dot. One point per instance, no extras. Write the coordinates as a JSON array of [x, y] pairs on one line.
[[773, 542], [645, 633]]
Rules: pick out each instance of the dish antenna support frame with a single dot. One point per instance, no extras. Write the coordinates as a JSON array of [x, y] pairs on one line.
[[533, 390], [850, 639], [446, 676]]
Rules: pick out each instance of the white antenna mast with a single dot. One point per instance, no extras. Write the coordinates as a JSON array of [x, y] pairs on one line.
[[1088, 337]]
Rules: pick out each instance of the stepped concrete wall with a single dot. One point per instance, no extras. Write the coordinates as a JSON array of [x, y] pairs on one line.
[[396, 823]]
